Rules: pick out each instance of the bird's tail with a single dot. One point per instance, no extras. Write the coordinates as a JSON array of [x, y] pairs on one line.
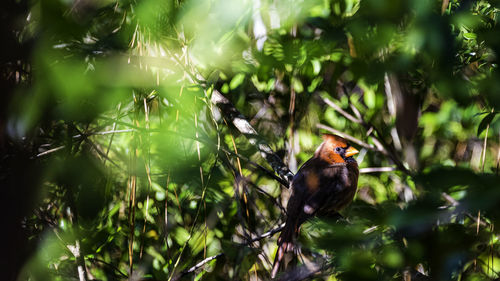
[[285, 245]]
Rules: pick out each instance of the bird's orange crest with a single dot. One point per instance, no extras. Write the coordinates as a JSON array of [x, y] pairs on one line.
[[335, 140]]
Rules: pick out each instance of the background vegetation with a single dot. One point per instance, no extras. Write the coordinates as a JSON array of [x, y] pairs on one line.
[[117, 164]]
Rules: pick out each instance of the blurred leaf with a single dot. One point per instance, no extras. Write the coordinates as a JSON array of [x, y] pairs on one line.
[[485, 122], [236, 81], [469, 35]]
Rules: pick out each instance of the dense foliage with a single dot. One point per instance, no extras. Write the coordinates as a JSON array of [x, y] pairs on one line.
[[117, 164]]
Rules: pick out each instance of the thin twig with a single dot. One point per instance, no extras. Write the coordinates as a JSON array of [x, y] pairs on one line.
[[340, 110], [237, 179], [348, 137], [147, 166], [489, 267], [202, 263], [266, 234], [376, 170], [171, 277], [50, 151], [485, 147], [205, 261], [450, 199], [105, 132], [455, 203], [234, 116], [102, 154], [131, 207], [272, 198], [260, 167], [112, 135], [200, 139], [379, 141], [356, 112], [109, 265], [498, 154], [75, 250]]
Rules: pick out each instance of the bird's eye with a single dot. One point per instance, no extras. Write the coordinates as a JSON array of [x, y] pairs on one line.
[[338, 149]]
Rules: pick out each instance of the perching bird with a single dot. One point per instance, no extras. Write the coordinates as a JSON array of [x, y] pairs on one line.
[[324, 185]]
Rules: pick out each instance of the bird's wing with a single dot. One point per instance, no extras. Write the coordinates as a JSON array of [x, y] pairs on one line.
[[304, 185], [329, 186], [338, 187]]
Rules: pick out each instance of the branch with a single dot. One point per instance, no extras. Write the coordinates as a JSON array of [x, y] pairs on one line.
[[381, 145], [263, 169], [75, 250], [232, 115], [239, 121], [266, 234], [110, 266], [211, 258], [105, 133], [200, 264], [455, 203], [376, 170], [272, 198], [348, 137], [204, 140], [340, 110], [50, 151]]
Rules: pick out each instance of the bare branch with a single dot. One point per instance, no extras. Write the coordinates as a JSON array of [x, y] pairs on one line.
[[206, 141], [455, 203], [340, 110], [205, 261], [50, 151], [202, 263], [348, 137], [356, 112], [106, 132], [266, 234], [238, 120], [376, 170], [450, 199], [380, 143], [75, 250], [109, 265], [263, 169]]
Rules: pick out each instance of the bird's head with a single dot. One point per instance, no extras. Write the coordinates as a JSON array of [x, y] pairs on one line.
[[335, 149]]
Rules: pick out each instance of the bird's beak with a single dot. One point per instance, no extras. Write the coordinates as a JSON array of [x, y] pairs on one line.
[[351, 151]]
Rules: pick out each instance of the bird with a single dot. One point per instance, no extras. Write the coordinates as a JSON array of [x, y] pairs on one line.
[[324, 185]]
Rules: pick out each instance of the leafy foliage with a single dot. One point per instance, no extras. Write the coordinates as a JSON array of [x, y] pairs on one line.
[[135, 173]]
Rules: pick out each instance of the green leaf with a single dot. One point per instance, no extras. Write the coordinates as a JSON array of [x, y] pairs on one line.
[[481, 113], [213, 77], [314, 83], [297, 85], [316, 66], [470, 36], [369, 98], [485, 122], [181, 235], [236, 81]]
